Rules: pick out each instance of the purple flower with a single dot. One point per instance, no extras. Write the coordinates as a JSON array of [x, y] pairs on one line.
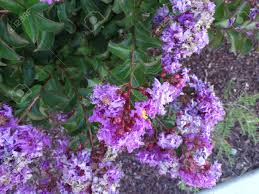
[[50, 1], [120, 127], [76, 173], [253, 13], [181, 6], [7, 119], [160, 15], [161, 95], [169, 141], [19, 148], [164, 161], [186, 31], [202, 113], [186, 19], [106, 178], [108, 101], [205, 178], [231, 21]]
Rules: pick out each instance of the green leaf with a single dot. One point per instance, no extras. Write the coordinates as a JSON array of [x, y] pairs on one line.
[[30, 28], [106, 1], [235, 41], [63, 17], [7, 52], [29, 3], [119, 50], [76, 121], [247, 46], [220, 12], [90, 7], [16, 40], [47, 25], [122, 72], [216, 38], [249, 26], [38, 7], [12, 6], [28, 72], [54, 99], [222, 23], [116, 7], [144, 37], [46, 41]]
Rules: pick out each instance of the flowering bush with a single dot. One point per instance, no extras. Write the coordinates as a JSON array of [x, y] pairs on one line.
[[96, 78]]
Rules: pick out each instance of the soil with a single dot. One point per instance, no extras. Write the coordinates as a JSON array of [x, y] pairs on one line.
[[217, 67]]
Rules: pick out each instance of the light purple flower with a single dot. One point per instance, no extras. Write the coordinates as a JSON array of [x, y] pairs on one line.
[[253, 13], [50, 1], [169, 141], [164, 161], [7, 119], [107, 178], [205, 178], [186, 31], [160, 15]]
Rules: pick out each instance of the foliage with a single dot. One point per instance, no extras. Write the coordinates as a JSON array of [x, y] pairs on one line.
[[241, 111], [234, 22], [57, 53], [52, 56]]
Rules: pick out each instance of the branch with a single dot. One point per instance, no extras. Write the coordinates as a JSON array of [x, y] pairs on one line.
[[88, 126], [132, 54], [4, 11], [34, 100]]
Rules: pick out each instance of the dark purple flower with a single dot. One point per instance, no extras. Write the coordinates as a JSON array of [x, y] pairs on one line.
[[160, 15], [253, 13], [7, 119], [186, 19], [231, 21]]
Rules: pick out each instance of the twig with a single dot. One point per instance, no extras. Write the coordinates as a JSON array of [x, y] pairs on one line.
[[132, 54], [88, 126], [161, 123], [78, 98], [4, 11], [34, 100]]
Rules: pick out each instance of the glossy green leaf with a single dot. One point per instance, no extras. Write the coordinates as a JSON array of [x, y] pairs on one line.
[[30, 28], [7, 52], [28, 69], [16, 40], [12, 6], [47, 25], [46, 41], [63, 17], [119, 50]]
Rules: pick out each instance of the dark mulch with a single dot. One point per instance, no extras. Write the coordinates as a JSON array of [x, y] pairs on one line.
[[217, 67]]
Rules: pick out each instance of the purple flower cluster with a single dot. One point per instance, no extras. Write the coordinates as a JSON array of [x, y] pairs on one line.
[[164, 160], [179, 152], [202, 113], [162, 94], [20, 145], [49, 1], [195, 119], [33, 162], [184, 31], [120, 125], [107, 177]]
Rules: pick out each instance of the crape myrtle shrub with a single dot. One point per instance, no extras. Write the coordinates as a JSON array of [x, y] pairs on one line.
[[95, 78]]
